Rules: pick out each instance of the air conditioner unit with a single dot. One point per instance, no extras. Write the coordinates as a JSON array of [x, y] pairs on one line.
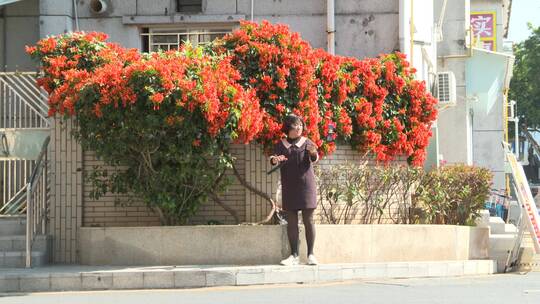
[[446, 89]]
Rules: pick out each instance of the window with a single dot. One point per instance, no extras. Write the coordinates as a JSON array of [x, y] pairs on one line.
[[188, 6], [155, 39]]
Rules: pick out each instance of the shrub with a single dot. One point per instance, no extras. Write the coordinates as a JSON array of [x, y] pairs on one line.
[[401, 194], [167, 119]]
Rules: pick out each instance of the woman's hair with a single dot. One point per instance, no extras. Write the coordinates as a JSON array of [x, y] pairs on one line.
[[291, 120]]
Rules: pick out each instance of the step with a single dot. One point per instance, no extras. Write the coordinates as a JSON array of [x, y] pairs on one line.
[[483, 219], [501, 258], [17, 259], [78, 278], [510, 229], [18, 243], [12, 225], [528, 260], [497, 225], [501, 242]]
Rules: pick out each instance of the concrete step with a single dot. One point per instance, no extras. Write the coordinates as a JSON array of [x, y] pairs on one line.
[[510, 229], [528, 260], [501, 242], [17, 259], [77, 278], [483, 219], [12, 225], [18, 243], [501, 258], [497, 225]]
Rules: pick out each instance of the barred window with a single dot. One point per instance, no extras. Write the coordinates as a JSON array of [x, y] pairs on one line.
[[188, 6], [166, 39]]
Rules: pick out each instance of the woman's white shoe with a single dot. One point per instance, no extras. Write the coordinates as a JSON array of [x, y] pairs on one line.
[[312, 260], [290, 261]]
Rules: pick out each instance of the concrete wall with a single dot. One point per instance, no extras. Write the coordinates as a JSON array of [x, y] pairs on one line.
[[363, 28], [259, 245], [489, 124], [21, 28], [487, 72], [25, 23], [454, 122]]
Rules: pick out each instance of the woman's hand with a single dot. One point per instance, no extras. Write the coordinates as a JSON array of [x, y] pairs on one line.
[[312, 149], [277, 159]]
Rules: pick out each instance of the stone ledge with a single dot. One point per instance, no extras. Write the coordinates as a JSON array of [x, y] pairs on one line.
[[179, 19]]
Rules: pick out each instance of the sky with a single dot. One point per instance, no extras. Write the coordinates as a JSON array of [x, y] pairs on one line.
[[523, 11]]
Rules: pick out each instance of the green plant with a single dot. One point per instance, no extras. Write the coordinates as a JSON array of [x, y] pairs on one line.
[[454, 194], [401, 194], [164, 121]]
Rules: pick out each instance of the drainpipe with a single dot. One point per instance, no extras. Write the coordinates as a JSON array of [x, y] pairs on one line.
[[252, 5], [75, 9], [516, 136], [411, 28], [330, 27], [403, 21], [4, 40]]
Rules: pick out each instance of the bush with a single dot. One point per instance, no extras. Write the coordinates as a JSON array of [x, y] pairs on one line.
[[370, 194], [167, 119], [374, 104], [454, 194]]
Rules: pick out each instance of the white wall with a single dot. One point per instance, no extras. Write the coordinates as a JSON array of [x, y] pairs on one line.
[[489, 121], [455, 125]]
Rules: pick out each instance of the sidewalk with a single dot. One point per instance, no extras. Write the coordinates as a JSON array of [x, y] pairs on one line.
[[79, 278]]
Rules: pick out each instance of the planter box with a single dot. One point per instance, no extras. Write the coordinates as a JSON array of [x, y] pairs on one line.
[[259, 245]]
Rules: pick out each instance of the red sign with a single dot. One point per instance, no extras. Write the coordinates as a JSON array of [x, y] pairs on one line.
[[484, 27]]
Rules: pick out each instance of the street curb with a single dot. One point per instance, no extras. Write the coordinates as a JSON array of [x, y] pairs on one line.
[[84, 278]]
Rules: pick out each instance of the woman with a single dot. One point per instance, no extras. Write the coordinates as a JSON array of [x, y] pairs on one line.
[[296, 155]]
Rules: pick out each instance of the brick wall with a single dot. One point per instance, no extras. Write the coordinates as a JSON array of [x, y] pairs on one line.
[[343, 155], [66, 202], [112, 210], [234, 197]]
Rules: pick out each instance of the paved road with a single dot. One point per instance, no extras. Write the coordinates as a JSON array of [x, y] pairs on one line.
[[504, 288]]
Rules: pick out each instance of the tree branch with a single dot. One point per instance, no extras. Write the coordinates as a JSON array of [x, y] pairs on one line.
[[258, 192]]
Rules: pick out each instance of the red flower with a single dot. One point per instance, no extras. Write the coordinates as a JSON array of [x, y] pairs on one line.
[[262, 71], [30, 50], [157, 98]]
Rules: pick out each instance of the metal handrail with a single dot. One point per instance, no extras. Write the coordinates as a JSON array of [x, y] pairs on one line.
[[33, 97], [36, 212], [22, 106]]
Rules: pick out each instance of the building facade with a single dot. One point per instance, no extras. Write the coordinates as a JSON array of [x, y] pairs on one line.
[[473, 129]]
